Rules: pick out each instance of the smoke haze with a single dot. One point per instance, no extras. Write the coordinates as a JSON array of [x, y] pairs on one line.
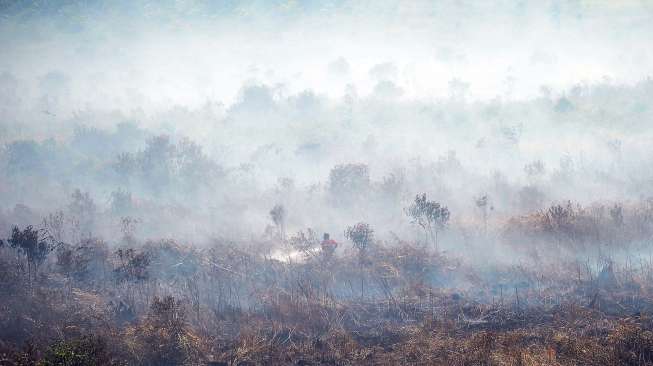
[[219, 110]]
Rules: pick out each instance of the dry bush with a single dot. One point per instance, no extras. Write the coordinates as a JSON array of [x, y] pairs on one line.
[[163, 337], [577, 229], [632, 345], [230, 303]]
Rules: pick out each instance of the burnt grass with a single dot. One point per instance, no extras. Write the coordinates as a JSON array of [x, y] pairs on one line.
[[226, 303]]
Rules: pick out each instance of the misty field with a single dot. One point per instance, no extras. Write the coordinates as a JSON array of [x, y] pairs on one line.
[[374, 301], [326, 182]]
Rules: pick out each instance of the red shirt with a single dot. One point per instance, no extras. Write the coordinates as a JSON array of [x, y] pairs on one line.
[[329, 244]]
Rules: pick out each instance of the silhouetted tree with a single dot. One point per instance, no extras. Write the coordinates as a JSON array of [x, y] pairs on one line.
[[430, 215], [33, 244], [362, 236], [192, 167], [278, 216], [128, 228], [156, 162], [617, 215], [558, 217]]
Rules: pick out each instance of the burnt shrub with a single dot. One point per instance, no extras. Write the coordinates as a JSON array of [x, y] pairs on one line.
[[85, 351]]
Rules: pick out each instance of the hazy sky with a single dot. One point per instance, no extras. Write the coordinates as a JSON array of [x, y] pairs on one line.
[[150, 55]]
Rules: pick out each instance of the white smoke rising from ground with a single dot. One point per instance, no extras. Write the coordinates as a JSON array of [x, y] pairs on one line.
[[455, 98]]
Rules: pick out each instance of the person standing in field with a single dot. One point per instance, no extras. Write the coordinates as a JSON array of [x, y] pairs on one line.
[[328, 246]]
